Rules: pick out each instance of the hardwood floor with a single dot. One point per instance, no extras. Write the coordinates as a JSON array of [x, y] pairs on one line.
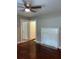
[[32, 50]]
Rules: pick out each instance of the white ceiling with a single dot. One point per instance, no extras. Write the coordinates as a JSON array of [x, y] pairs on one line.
[[48, 6]]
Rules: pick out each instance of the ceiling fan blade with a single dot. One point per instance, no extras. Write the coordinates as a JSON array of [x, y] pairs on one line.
[[36, 7], [24, 3], [32, 10]]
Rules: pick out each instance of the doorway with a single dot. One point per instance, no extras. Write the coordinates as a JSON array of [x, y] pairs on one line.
[[32, 29], [28, 30]]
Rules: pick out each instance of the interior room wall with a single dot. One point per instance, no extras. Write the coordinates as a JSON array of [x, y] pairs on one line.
[[51, 20], [26, 29], [22, 29], [18, 29]]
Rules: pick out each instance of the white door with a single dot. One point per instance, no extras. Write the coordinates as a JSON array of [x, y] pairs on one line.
[[24, 30]]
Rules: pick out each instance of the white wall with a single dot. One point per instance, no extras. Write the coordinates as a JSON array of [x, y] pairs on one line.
[[52, 20], [50, 36], [22, 29], [18, 29]]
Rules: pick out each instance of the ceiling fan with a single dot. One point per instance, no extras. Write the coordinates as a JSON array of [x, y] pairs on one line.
[[28, 6]]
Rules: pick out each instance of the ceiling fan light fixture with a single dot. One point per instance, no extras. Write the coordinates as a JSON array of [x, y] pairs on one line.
[[28, 4], [27, 10]]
